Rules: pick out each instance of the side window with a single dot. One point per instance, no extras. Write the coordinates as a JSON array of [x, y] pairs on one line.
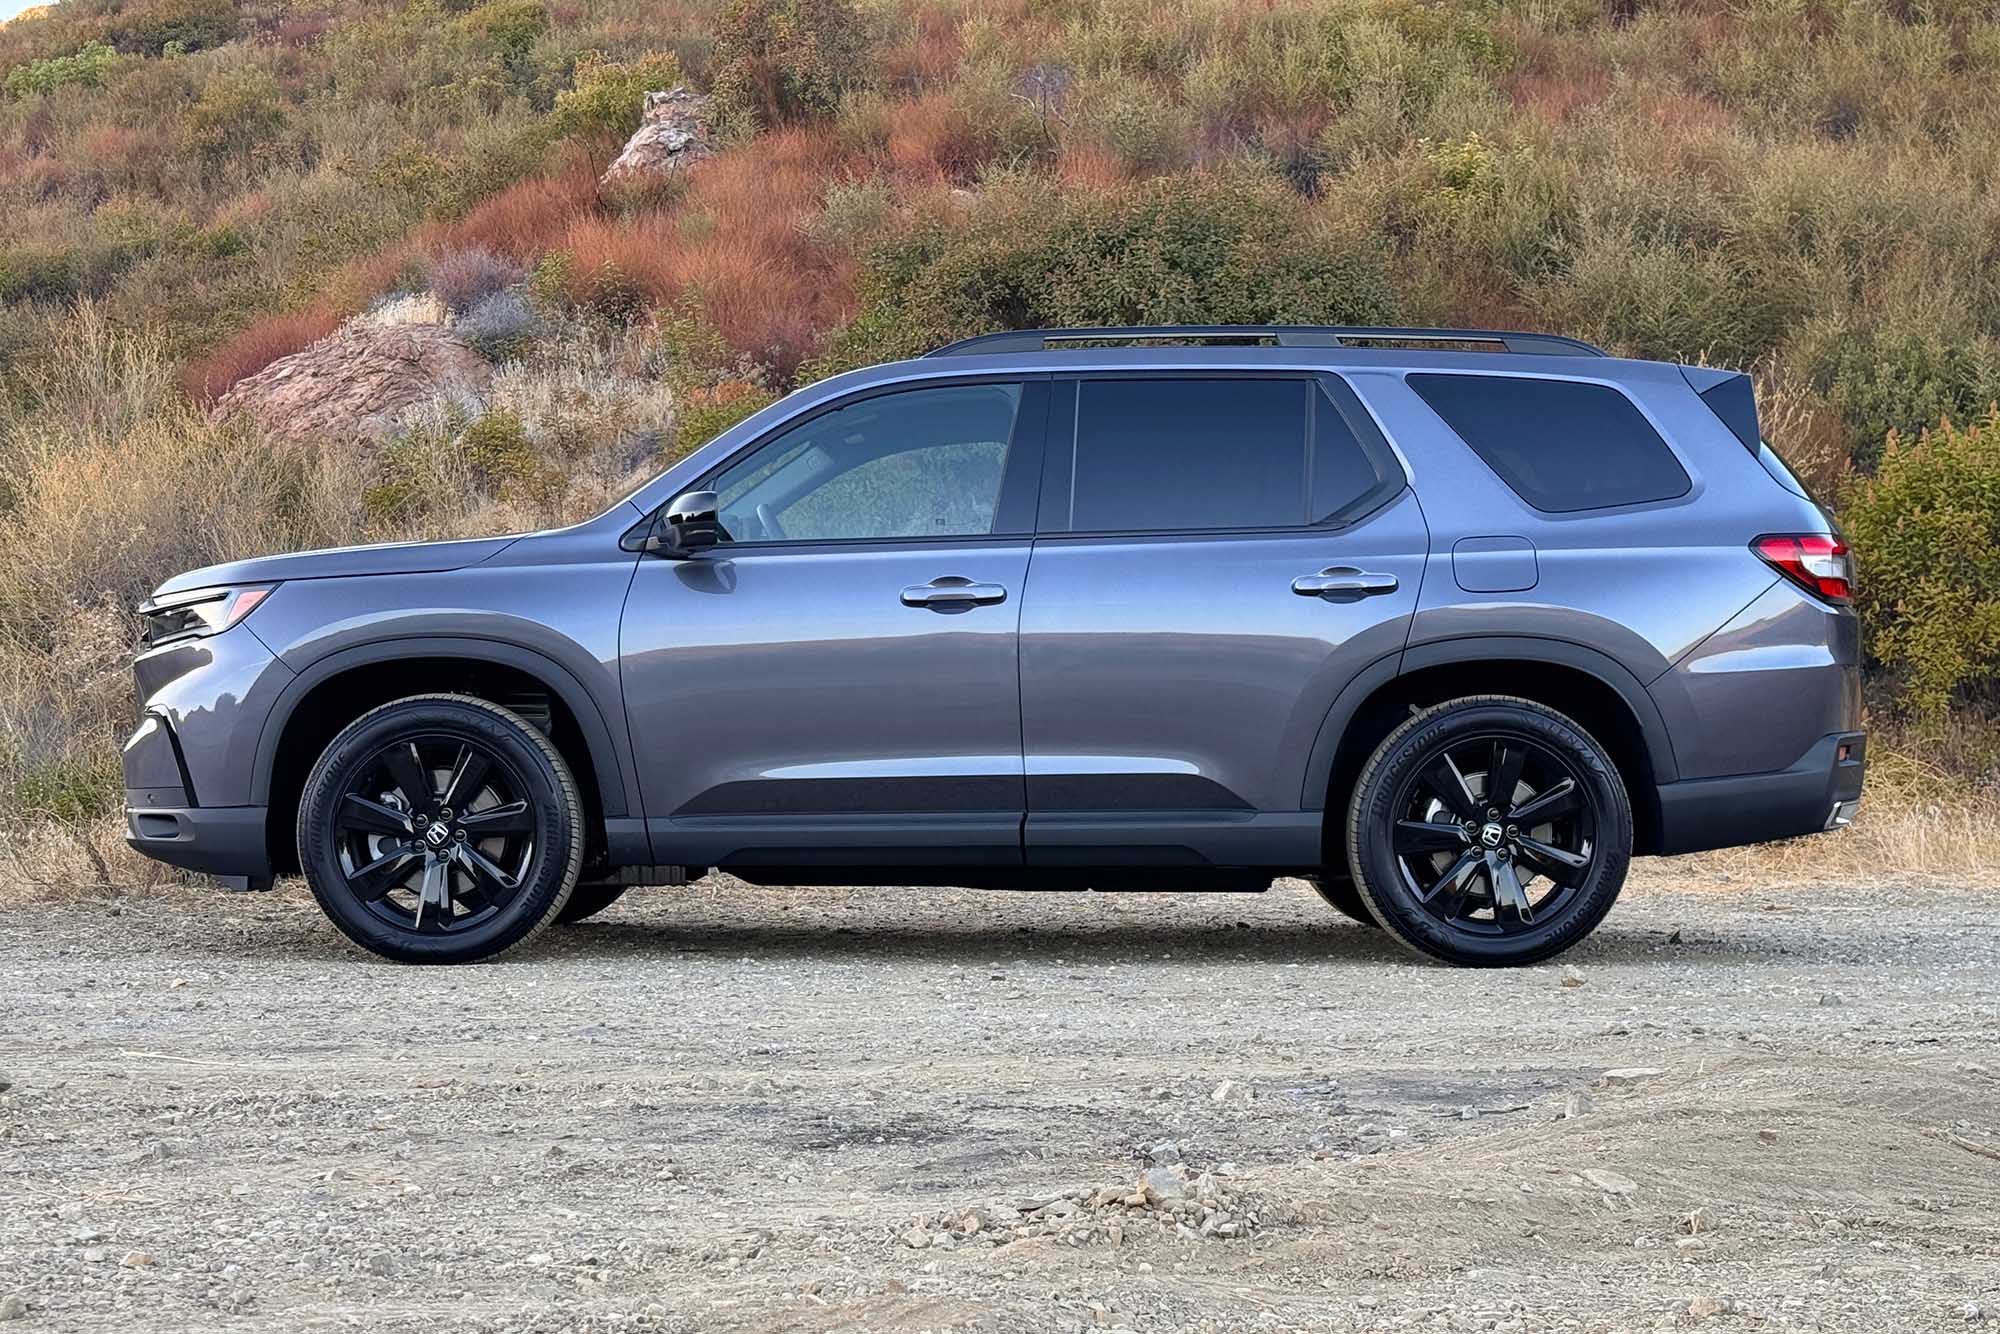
[[1562, 446], [916, 463], [1196, 453]]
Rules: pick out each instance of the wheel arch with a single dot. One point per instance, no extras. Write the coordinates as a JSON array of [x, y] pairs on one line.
[[1594, 689], [338, 688]]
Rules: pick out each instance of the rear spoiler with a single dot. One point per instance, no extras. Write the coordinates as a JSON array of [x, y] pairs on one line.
[[1731, 396]]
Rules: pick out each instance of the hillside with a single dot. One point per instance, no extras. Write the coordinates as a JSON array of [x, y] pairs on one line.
[[195, 189]]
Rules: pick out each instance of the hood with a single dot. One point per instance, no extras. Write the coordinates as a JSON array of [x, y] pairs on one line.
[[342, 563]]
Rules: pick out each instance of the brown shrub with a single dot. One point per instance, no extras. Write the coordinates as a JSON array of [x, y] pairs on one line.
[[208, 378]]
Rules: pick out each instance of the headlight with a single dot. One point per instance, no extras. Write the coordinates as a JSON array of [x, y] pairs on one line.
[[202, 611]]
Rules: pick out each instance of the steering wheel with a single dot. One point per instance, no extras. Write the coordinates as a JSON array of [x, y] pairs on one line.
[[768, 519]]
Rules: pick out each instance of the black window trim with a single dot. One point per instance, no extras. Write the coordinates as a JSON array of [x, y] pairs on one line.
[[1665, 438], [1014, 512], [1059, 453]]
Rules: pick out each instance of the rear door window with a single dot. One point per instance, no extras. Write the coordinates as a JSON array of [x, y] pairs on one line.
[[1160, 453], [1561, 445]]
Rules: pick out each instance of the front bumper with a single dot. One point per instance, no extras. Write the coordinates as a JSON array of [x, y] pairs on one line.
[[1819, 792]]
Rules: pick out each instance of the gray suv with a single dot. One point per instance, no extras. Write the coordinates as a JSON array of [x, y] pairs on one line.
[[1452, 622]]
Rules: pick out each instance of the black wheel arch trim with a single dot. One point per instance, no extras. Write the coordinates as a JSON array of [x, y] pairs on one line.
[[617, 781], [1482, 648]]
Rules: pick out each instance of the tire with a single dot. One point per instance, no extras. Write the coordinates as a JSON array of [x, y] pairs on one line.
[[507, 863], [1455, 876], [1337, 888], [588, 901]]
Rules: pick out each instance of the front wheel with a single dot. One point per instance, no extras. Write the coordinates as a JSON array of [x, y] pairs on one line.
[[440, 829], [1489, 831]]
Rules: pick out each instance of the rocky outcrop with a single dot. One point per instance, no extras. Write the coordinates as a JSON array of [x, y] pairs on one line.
[[672, 137], [352, 383]]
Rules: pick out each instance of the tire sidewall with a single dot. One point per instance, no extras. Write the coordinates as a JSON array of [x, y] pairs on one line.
[[551, 793], [1379, 877]]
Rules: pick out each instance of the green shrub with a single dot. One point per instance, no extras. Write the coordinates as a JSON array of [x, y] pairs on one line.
[[174, 27], [1888, 380], [234, 115], [785, 60], [1188, 249], [84, 67], [702, 414], [608, 96], [1926, 535], [513, 26], [74, 789], [39, 273]]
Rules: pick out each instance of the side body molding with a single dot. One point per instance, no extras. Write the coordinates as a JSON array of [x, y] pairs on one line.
[[616, 783]]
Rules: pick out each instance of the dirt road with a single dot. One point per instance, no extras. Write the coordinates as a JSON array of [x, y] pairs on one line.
[[738, 1109]]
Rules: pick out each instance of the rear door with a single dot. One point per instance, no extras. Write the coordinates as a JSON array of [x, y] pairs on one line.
[[1218, 555]]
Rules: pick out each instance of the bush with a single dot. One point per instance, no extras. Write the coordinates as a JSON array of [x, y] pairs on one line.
[[464, 278], [513, 26], [607, 98], [84, 67], [1893, 381], [1926, 535], [498, 326], [234, 115], [1190, 249], [177, 26], [785, 60], [703, 414]]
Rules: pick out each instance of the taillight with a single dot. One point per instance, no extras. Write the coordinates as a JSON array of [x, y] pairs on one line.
[[1815, 562]]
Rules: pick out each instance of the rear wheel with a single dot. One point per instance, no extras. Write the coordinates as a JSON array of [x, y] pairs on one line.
[[440, 829], [1490, 831]]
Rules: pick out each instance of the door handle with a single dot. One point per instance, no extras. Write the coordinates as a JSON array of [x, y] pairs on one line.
[[1341, 582], [951, 593]]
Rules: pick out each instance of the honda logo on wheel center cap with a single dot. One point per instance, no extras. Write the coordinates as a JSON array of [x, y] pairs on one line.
[[1491, 835], [436, 835]]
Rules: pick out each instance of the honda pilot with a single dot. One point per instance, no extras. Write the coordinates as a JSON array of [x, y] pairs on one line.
[[1452, 623]]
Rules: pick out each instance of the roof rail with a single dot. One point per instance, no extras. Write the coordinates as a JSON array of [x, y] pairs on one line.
[[1285, 335]]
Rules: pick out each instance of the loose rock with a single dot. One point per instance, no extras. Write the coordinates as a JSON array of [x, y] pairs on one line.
[[1611, 1183]]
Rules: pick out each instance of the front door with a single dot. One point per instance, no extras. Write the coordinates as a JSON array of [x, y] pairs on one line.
[[838, 681], [1220, 555]]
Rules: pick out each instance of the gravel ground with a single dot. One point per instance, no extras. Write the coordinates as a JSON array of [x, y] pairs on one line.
[[735, 1109]]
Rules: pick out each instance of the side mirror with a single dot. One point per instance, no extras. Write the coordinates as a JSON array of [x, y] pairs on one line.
[[688, 524]]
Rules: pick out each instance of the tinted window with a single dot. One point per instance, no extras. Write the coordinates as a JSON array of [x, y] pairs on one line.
[[1562, 446], [1166, 454], [1353, 467], [921, 463]]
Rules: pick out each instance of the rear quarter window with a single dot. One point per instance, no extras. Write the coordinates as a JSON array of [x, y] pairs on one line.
[[1561, 445]]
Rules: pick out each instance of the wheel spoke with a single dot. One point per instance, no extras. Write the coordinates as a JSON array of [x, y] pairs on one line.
[[359, 813], [510, 817], [1503, 772], [482, 868], [406, 767], [1509, 895], [1416, 836], [1558, 864], [1560, 799], [434, 900], [468, 775], [1448, 897], [1444, 779], [385, 873]]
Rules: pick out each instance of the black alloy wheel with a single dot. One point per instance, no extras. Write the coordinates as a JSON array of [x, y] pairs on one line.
[[440, 829], [1490, 831]]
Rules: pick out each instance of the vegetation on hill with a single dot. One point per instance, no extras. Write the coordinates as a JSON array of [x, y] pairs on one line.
[[194, 188]]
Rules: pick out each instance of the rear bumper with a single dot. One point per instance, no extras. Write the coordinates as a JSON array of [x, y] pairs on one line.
[[1817, 793], [226, 841]]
